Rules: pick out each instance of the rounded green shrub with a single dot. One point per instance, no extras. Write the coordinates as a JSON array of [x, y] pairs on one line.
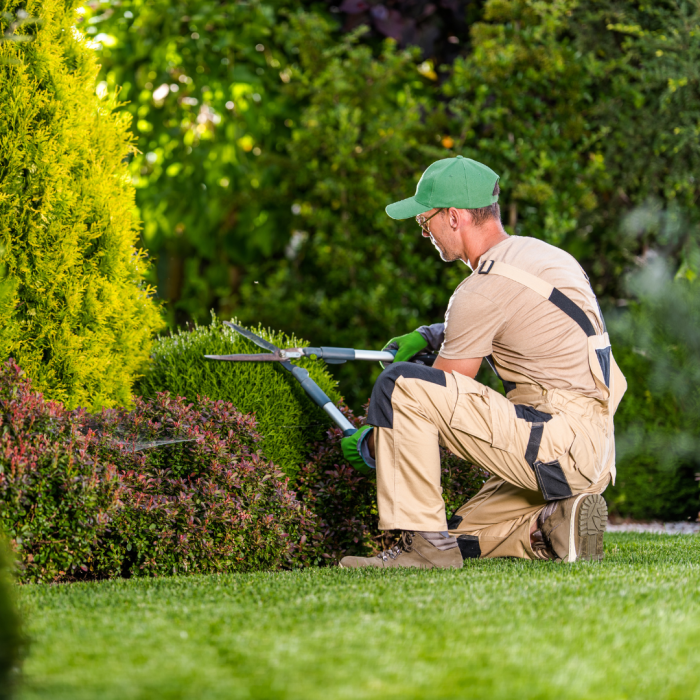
[[74, 309], [287, 419]]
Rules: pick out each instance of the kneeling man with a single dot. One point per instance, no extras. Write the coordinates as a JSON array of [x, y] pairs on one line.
[[529, 309]]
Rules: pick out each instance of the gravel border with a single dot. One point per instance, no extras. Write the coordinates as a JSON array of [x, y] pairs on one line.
[[657, 527]]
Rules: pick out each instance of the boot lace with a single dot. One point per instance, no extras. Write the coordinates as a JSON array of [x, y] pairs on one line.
[[393, 552]]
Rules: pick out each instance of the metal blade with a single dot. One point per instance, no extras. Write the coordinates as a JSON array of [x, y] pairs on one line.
[[260, 342], [274, 357]]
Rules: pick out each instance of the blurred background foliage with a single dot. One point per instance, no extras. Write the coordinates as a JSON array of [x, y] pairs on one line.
[[658, 336], [272, 133]]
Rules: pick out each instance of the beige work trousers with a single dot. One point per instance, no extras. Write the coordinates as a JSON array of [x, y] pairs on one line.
[[415, 414]]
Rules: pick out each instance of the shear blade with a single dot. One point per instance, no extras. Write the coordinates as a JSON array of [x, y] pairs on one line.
[[274, 357], [260, 342]]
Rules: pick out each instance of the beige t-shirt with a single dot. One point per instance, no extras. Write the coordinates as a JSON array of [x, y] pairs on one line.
[[493, 315]]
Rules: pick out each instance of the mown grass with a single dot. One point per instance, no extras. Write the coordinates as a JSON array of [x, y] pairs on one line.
[[626, 628]]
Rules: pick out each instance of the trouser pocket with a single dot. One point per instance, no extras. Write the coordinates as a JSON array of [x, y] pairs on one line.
[[484, 414]]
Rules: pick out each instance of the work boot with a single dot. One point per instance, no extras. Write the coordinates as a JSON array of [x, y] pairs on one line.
[[573, 529], [414, 551]]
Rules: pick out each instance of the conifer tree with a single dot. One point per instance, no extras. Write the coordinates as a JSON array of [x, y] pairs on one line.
[[75, 311]]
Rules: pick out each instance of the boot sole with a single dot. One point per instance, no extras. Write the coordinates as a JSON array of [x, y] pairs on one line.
[[588, 528]]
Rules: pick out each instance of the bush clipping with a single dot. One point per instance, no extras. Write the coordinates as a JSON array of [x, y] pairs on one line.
[[165, 487]]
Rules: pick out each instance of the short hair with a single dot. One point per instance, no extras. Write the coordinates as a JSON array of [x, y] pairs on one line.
[[483, 214]]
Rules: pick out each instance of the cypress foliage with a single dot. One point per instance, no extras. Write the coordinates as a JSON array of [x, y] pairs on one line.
[[74, 309]]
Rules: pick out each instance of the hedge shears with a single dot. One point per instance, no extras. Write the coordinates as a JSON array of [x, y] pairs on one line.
[[332, 356]]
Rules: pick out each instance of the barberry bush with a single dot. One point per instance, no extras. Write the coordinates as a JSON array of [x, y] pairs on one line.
[[166, 487]]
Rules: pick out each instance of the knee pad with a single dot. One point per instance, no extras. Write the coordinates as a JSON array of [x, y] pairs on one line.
[[381, 412]]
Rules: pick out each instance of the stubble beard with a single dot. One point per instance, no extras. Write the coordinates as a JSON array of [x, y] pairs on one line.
[[445, 255]]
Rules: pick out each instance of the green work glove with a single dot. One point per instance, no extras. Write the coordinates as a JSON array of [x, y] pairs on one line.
[[351, 449], [407, 346]]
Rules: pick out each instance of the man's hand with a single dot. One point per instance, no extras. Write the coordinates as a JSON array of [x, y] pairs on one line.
[[407, 346], [467, 367], [351, 449]]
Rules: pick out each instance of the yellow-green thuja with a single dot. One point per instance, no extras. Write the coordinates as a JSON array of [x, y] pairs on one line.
[[75, 310]]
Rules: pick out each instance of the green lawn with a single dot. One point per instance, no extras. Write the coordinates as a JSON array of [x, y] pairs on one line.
[[626, 628]]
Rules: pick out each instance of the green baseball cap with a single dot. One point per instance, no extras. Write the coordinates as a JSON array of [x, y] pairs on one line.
[[452, 182]]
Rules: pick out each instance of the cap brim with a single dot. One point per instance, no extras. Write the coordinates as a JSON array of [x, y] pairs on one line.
[[406, 209]]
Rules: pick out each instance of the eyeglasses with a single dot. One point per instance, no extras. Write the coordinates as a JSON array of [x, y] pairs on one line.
[[423, 222]]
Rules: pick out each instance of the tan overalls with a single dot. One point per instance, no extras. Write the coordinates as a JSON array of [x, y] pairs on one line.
[[539, 444]]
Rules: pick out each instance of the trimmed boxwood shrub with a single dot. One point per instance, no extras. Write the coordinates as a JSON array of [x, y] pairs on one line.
[[287, 419], [75, 311]]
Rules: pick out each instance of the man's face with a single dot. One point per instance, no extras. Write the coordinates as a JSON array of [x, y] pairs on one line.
[[441, 234]]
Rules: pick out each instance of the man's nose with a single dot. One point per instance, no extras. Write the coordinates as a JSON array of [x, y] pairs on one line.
[[424, 233]]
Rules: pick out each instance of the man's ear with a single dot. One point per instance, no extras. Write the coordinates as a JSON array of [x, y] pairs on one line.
[[454, 215]]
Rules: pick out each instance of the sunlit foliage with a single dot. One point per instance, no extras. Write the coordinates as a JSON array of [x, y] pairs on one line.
[[74, 308]]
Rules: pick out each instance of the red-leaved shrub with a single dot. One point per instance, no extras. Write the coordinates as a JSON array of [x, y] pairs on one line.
[[56, 498], [171, 486], [211, 503], [86, 496]]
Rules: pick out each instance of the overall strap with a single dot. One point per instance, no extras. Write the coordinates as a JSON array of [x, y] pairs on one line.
[[606, 374], [544, 289]]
